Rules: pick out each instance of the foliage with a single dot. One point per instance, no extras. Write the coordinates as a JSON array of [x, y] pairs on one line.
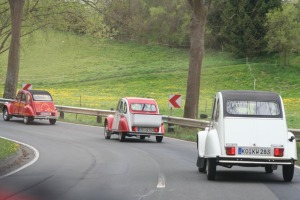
[[88, 72], [283, 33], [7, 148], [243, 29]]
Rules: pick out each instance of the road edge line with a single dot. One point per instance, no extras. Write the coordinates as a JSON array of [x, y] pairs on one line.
[[36, 157]]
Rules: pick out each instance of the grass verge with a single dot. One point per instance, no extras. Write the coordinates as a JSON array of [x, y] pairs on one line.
[[7, 148]]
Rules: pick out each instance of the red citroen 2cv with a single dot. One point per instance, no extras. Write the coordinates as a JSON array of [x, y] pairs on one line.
[[30, 105]]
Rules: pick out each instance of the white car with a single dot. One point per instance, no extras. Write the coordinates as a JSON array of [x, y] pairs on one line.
[[247, 128]]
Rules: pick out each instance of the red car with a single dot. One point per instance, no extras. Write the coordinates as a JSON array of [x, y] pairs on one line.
[[137, 117], [30, 105]]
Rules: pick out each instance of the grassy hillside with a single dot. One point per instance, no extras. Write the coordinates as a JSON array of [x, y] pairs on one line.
[[87, 72]]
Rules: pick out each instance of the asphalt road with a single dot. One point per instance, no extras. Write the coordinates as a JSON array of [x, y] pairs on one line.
[[76, 163]]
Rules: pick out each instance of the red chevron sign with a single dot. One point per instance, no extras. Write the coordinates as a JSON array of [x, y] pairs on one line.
[[175, 100], [27, 86]]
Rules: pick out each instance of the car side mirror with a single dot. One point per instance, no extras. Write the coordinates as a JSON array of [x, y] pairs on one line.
[[291, 139], [203, 116]]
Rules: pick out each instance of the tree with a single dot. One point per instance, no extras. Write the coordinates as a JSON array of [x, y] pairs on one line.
[[197, 30], [243, 29], [16, 10], [283, 30]]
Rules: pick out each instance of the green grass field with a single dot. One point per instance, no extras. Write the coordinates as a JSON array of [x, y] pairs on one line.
[[88, 72], [7, 148]]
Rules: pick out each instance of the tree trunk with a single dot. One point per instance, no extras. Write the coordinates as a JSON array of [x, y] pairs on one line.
[[16, 10], [197, 28]]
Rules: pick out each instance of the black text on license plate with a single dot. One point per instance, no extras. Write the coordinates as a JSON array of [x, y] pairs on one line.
[[254, 151], [146, 129]]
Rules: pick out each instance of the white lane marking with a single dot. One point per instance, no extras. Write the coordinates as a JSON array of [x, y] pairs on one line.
[[36, 157], [161, 183]]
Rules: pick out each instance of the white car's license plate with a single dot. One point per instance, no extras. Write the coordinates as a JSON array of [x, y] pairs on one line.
[[146, 129], [254, 151]]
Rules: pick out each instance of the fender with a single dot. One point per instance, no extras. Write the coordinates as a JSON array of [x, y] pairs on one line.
[[8, 106], [201, 141], [212, 144], [162, 128], [109, 120], [123, 124], [28, 111], [291, 147]]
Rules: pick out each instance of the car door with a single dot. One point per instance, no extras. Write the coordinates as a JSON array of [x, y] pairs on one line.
[[22, 104], [117, 116], [15, 104]]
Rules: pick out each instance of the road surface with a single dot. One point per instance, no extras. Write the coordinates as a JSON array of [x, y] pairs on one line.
[[76, 163]]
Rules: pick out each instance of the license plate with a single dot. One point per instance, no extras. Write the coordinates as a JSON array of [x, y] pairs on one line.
[[254, 151], [146, 129], [45, 113]]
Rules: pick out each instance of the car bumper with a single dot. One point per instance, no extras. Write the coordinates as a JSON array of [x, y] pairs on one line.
[[255, 160], [45, 117], [144, 133]]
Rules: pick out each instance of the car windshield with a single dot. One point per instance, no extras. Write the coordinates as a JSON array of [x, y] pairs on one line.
[[255, 108], [143, 107], [42, 97]]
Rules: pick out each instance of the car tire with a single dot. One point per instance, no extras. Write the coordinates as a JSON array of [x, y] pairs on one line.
[[121, 137], [27, 120], [106, 132], [268, 169], [159, 139], [203, 168], [6, 115], [288, 172], [52, 121], [211, 168]]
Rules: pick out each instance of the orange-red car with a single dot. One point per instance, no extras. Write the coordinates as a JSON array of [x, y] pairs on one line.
[[30, 105]]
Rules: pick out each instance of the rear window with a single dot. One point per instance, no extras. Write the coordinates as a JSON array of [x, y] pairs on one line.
[[42, 97], [253, 108], [143, 107]]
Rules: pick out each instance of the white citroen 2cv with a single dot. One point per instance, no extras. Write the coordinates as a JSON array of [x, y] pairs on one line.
[[247, 128]]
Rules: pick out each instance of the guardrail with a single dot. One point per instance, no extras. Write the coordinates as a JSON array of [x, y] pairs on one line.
[[167, 119]]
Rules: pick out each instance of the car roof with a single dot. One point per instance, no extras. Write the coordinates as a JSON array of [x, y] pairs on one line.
[[38, 92], [250, 95], [139, 100]]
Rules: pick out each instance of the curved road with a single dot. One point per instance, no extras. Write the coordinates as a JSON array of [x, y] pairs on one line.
[[77, 163]]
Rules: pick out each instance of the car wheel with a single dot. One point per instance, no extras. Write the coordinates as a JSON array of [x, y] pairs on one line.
[[27, 120], [6, 116], [203, 168], [159, 139], [52, 121], [288, 172], [106, 132], [122, 137], [211, 168], [268, 169]]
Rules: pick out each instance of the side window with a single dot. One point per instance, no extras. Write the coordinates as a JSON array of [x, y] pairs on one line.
[[120, 106], [125, 107], [28, 98], [23, 97], [217, 111], [19, 97], [213, 110]]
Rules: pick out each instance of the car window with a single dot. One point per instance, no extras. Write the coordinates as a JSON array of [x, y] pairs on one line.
[[19, 96], [28, 98], [42, 97], [143, 107], [254, 108], [23, 97]]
